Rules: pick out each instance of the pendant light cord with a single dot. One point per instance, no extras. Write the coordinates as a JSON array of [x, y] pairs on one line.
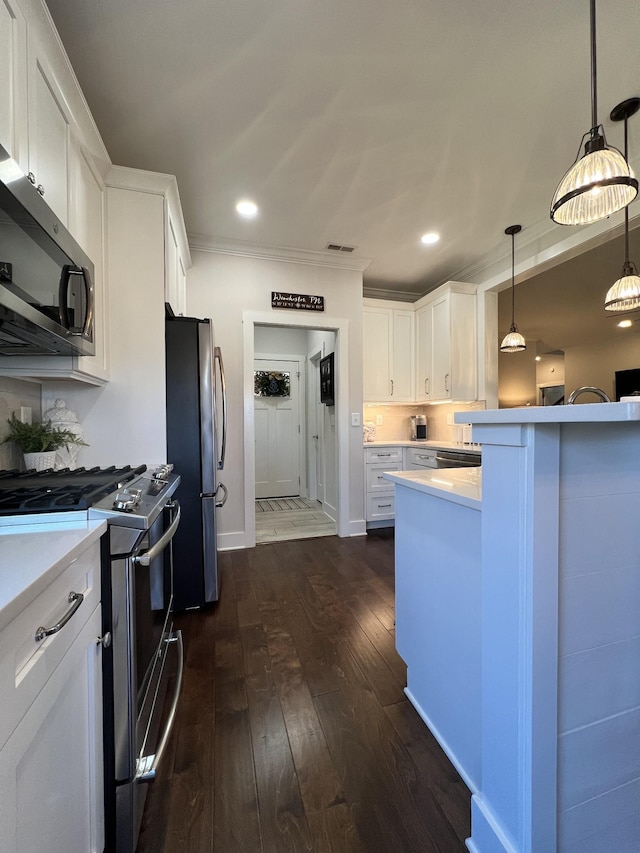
[[594, 72], [513, 284], [626, 210]]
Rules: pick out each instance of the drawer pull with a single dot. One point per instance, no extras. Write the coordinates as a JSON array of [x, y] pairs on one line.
[[383, 506], [384, 454], [75, 599]]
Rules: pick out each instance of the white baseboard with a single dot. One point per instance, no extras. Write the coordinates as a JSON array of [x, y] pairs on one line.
[[232, 541], [358, 528]]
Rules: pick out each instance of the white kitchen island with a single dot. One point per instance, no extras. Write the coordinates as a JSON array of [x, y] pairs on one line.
[[549, 557]]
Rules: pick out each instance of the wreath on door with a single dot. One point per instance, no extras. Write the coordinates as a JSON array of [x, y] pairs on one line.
[[271, 383]]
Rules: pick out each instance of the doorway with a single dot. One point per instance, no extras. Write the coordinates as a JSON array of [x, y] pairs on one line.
[[321, 474]]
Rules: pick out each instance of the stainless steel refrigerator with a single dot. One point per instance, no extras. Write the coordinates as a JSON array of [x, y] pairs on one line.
[[196, 440]]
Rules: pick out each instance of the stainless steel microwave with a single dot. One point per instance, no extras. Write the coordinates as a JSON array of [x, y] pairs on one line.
[[46, 280]]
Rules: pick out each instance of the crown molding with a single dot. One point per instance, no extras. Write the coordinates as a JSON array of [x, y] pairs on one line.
[[202, 243]]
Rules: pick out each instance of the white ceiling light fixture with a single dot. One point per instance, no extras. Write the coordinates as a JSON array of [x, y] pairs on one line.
[[624, 295], [429, 238], [513, 340], [247, 208], [600, 180], [624, 324]]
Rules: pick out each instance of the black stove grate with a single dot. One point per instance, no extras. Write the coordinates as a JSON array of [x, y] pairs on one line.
[[60, 491]]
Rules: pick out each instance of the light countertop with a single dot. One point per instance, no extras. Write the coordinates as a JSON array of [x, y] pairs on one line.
[[33, 555], [458, 485], [434, 444], [575, 413]]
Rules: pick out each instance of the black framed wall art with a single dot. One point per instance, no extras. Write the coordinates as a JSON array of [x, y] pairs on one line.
[[327, 380]]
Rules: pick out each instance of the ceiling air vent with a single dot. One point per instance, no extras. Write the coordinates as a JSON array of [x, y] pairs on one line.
[[336, 247]]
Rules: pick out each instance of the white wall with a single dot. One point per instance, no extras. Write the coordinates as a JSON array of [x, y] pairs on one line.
[[15, 393], [125, 420], [274, 339], [223, 286]]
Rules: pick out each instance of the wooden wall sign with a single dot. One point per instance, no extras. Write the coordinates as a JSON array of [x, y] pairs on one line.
[[296, 300]]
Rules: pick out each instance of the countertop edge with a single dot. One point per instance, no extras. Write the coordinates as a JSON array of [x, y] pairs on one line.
[[35, 578], [463, 487], [433, 444]]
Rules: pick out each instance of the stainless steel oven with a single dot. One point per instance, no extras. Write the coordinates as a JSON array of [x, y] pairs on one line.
[[144, 657]]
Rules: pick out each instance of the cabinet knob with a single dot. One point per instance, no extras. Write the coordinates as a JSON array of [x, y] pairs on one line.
[[40, 189], [104, 641], [31, 178]]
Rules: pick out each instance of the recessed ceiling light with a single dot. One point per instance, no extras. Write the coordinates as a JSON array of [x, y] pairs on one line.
[[247, 208], [538, 358], [624, 324], [430, 238]]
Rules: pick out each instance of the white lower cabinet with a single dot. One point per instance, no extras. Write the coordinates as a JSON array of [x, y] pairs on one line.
[[51, 758], [380, 493]]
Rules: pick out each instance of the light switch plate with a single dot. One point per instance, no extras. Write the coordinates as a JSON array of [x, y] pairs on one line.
[[355, 418], [26, 414]]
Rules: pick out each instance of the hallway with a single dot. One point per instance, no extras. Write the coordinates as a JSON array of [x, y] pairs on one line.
[[293, 732], [284, 519]]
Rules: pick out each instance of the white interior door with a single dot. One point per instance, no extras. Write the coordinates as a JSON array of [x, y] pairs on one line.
[[277, 435], [315, 421]]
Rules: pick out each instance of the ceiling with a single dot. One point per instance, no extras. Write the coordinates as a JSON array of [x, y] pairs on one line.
[[357, 123]]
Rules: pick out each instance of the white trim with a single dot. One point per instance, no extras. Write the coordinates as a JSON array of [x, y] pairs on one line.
[[250, 319], [284, 254], [231, 541]]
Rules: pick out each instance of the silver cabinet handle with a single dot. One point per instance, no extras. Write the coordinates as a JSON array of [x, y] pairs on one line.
[[446, 382], [147, 765], [31, 178], [426, 385], [40, 189], [226, 494], [315, 436], [392, 387], [383, 506], [383, 454], [146, 558], [75, 599]]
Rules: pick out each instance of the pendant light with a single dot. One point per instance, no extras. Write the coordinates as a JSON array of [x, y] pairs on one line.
[[624, 295], [600, 181], [513, 341]]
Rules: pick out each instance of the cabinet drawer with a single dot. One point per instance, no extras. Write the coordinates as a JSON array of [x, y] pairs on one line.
[[26, 664], [383, 454], [375, 479], [381, 506], [421, 457]]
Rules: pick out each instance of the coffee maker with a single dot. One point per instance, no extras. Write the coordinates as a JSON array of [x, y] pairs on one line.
[[418, 427]]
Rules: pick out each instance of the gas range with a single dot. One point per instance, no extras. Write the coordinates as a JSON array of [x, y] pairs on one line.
[[130, 497]]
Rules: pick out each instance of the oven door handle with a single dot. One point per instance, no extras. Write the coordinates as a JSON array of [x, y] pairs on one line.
[[145, 558], [147, 766]]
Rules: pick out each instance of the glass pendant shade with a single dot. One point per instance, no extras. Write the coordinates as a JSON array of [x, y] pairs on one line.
[[599, 183], [624, 295], [513, 341]]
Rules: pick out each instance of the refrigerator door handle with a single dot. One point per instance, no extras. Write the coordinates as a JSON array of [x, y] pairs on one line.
[[226, 494], [223, 388]]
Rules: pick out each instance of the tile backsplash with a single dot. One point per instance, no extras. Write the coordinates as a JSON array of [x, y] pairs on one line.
[[395, 424], [15, 393]]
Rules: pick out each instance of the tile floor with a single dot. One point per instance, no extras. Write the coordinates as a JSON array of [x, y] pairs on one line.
[[283, 525]]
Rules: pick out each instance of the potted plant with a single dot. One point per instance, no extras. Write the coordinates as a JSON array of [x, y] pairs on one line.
[[39, 442]]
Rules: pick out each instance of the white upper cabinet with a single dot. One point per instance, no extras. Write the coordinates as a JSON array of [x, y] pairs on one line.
[[13, 74], [454, 357], [49, 130], [423, 354], [388, 360], [177, 259]]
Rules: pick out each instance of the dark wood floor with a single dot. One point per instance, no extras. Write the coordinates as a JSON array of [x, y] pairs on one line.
[[293, 732]]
